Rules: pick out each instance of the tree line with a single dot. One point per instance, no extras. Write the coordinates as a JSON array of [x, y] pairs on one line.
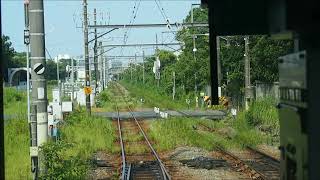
[[14, 59], [192, 68]]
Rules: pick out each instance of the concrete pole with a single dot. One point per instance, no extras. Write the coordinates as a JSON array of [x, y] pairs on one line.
[[101, 80], [156, 43], [174, 85], [219, 62], [143, 67], [58, 79], [32, 119], [104, 71], [38, 64], [158, 80], [95, 49], [33, 142], [135, 61], [194, 55], [86, 54], [247, 73], [107, 71], [131, 70], [26, 3], [72, 80]]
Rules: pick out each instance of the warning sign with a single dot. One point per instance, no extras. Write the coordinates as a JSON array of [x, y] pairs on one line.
[[87, 90]]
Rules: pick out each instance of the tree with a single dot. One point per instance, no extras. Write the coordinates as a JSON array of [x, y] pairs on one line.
[[8, 53], [192, 69], [51, 70]]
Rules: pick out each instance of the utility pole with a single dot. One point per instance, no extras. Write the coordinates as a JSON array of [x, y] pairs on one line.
[[31, 120], [219, 62], [95, 64], [105, 60], [86, 54], [156, 43], [174, 85], [135, 61], [194, 53], [72, 80], [143, 66], [39, 83], [248, 93], [101, 66], [158, 78], [131, 70], [27, 42]]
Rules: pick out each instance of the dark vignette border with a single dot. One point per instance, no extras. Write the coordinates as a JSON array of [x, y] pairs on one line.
[[2, 171]]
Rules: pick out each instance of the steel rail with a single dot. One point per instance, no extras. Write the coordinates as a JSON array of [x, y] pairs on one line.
[[164, 171], [123, 155], [261, 175], [275, 160]]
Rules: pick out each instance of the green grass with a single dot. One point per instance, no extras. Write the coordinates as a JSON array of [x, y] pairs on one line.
[[88, 134], [81, 137], [175, 132], [263, 114], [16, 140], [15, 103], [107, 99], [246, 133], [16, 130], [153, 97], [228, 133]]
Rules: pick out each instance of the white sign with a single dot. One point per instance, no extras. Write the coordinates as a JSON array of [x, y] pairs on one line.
[[67, 106], [158, 63], [56, 95], [38, 68], [40, 93], [234, 111], [68, 69]]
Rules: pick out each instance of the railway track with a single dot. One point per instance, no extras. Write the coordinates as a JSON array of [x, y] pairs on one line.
[[254, 163], [257, 164], [139, 160]]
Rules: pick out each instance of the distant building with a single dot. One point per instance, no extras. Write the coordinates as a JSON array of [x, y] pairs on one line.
[[116, 64], [60, 56]]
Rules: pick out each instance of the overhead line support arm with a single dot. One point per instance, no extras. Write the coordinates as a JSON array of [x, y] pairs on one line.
[[177, 25]]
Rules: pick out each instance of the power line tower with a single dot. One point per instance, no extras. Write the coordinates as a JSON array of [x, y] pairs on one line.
[[86, 54]]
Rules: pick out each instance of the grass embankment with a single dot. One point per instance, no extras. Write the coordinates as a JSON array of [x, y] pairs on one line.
[[16, 130], [153, 96], [81, 137], [175, 132], [116, 95], [259, 125], [263, 115]]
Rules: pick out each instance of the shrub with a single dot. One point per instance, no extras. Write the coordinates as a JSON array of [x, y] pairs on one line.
[[13, 95], [264, 115], [61, 167]]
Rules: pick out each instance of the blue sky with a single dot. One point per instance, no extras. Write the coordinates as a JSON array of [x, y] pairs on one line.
[[63, 19]]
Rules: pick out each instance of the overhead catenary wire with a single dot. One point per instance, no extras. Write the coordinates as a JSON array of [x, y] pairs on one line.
[[132, 19]]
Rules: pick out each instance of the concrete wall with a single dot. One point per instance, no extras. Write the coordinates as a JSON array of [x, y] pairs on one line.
[[266, 90]]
